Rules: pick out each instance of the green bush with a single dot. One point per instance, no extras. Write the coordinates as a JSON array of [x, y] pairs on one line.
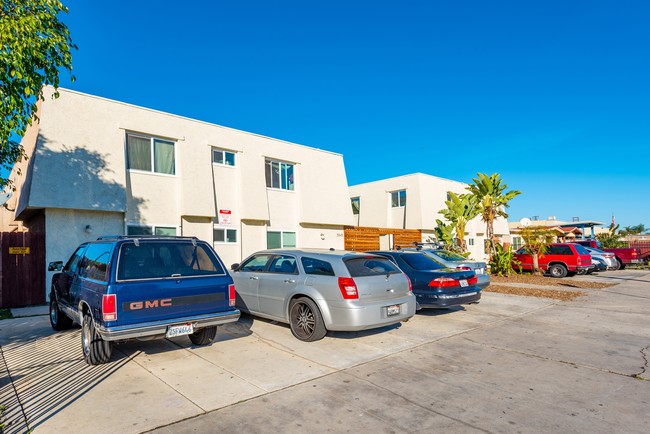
[[502, 261]]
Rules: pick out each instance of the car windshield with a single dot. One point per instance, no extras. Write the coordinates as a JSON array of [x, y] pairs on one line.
[[448, 256], [420, 261]]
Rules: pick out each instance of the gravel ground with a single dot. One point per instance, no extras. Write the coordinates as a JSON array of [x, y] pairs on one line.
[[532, 285]]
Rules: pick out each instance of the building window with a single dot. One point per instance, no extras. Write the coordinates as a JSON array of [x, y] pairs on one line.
[[223, 157], [149, 154], [517, 242], [279, 175], [398, 198], [356, 205], [470, 241], [225, 235], [150, 230], [280, 240]]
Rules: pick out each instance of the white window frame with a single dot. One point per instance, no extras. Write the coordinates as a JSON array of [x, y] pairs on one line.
[[224, 152], [153, 228], [280, 177], [399, 198], [151, 153], [225, 237], [282, 246]]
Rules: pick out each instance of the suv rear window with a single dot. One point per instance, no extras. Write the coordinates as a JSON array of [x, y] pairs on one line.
[[163, 259], [370, 266], [581, 249]]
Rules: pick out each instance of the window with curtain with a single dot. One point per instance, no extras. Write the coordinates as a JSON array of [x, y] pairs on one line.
[[150, 154], [279, 175]]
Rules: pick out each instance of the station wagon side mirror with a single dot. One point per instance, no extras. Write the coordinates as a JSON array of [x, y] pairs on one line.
[[55, 266], [234, 267]]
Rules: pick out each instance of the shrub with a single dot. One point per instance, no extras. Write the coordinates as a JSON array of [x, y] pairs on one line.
[[502, 260]]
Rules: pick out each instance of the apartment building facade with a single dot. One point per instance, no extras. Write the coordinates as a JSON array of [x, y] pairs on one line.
[[102, 167], [413, 202]]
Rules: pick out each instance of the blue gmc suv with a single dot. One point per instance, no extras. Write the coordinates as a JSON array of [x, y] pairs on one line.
[[125, 287]]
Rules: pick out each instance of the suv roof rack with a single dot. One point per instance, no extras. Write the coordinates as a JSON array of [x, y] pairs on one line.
[[149, 237]]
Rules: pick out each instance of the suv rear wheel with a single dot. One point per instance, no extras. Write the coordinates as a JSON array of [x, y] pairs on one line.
[[96, 350], [204, 336], [558, 270], [306, 320]]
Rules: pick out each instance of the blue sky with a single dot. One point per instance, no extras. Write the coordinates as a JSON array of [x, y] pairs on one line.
[[552, 95]]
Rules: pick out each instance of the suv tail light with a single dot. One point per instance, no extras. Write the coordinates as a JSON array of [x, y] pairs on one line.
[[109, 307], [444, 282], [348, 288], [231, 295]]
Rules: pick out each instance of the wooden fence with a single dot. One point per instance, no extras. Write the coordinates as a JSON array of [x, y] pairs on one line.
[[362, 239]]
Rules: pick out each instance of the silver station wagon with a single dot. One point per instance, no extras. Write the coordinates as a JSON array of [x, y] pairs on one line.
[[316, 290]]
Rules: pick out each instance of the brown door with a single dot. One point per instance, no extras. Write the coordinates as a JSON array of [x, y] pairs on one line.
[[22, 269]]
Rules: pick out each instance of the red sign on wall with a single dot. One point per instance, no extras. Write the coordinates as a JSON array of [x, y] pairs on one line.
[[225, 217]]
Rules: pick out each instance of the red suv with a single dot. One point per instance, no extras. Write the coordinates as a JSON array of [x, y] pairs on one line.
[[560, 259]]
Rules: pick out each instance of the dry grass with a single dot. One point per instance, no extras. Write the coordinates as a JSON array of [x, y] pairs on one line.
[[533, 282]]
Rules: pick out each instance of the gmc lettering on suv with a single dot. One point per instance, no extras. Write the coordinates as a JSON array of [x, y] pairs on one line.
[[120, 288]]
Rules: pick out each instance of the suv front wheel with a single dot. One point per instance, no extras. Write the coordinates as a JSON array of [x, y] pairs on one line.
[[558, 270]]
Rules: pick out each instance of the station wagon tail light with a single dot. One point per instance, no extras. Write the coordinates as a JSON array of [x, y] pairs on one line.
[[410, 284], [444, 282], [348, 288], [109, 307], [231, 294]]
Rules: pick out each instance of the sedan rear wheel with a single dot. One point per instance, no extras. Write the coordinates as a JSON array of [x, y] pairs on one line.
[[306, 320]]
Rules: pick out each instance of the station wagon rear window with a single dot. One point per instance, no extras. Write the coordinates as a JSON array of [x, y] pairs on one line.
[[370, 266], [150, 260], [317, 267]]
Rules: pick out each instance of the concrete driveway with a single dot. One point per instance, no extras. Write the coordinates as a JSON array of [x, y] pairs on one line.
[[509, 364]]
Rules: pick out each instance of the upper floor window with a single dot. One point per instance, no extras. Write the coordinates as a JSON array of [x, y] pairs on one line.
[[398, 198], [279, 175], [356, 205], [150, 154], [223, 157]]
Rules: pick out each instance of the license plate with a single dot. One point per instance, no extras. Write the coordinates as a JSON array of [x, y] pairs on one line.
[[179, 330], [463, 283], [392, 310]]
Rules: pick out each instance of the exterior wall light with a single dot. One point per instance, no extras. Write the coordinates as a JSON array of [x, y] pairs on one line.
[[89, 229]]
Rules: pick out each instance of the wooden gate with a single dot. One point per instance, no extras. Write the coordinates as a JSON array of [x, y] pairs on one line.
[[365, 238], [22, 269]]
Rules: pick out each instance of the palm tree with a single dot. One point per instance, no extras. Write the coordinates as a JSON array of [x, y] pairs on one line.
[[492, 198], [461, 208]]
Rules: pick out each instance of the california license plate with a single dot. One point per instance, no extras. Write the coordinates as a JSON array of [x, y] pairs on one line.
[[463, 283], [392, 310], [179, 330]]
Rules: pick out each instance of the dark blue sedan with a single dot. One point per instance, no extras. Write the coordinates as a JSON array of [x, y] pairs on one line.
[[434, 285]]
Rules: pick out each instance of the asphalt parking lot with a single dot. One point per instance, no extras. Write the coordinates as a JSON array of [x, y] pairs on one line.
[[508, 364]]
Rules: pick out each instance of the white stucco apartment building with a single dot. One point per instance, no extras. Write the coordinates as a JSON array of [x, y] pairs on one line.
[[101, 167], [412, 202]]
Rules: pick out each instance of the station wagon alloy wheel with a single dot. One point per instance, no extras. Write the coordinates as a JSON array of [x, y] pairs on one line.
[[305, 320]]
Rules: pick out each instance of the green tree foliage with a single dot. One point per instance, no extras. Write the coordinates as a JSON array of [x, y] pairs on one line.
[[537, 239], [633, 230], [492, 199], [34, 46], [502, 261], [611, 238], [461, 208], [445, 234]]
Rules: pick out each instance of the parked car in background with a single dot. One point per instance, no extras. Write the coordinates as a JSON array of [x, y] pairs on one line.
[[598, 264], [607, 258], [434, 285], [316, 290], [121, 287], [454, 260], [560, 260], [624, 255]]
